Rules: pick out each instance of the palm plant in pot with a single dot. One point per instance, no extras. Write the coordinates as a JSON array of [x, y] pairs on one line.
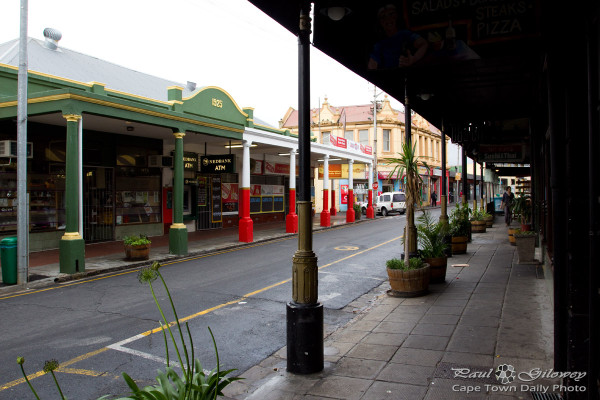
[[460, 227], [521, 206], [432, 243], [407, 164]]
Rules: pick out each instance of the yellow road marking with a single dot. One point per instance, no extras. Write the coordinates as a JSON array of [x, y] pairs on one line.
[[346, 248], [65, 364], [189, 317]]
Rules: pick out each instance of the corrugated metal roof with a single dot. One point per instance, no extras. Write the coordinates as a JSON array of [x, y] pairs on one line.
[[81, 67]]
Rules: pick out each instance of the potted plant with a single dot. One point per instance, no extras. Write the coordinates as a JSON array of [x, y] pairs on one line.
[[460, 227], [137, 247], [357, 211], [489, 219], [407, 164], [522, 207], [478, 224], [525, 242], [432, 243], [408, 278]]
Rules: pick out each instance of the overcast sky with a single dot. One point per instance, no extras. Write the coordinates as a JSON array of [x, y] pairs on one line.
[[225, 43]]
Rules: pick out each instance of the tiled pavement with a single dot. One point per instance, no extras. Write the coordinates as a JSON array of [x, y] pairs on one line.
[[492, 312]]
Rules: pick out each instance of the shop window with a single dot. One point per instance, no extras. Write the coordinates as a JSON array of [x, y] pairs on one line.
[[326, 137], [138, 195]]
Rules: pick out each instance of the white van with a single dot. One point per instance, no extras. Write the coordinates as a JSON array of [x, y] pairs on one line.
[[389, 202]]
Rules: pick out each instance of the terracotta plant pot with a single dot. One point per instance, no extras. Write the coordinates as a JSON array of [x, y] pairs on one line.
[[511, 237], [409, 283], [459, 244], [478, 226], [437, 267], [137, 253]]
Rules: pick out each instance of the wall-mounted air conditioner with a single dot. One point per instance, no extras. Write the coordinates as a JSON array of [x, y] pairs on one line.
[[8, 148], [158, 161]]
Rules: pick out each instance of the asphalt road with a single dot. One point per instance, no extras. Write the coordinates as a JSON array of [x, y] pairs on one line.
[[103, 326]]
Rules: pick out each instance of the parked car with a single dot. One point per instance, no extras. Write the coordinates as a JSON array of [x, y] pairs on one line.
[[389, 202]]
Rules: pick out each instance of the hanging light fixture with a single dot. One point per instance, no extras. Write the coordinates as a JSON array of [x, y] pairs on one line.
[[335, 12]]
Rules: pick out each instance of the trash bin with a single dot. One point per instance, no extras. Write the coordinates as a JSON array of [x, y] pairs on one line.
[[8, 259]]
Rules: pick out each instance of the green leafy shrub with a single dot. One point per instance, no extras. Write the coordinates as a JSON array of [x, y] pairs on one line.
[[430, 235], [136, 240], [459, 220], [413, 263]]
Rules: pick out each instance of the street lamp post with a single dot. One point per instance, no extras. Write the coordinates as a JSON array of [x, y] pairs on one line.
[[304, 314]]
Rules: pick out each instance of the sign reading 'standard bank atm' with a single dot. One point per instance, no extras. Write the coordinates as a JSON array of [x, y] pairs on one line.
[[217, 164]]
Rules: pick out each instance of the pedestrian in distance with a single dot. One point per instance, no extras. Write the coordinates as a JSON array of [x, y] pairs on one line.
[[506, 205], [433, 199]]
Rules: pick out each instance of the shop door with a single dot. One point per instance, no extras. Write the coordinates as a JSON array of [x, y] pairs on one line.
[[210, 213], [98, 204]]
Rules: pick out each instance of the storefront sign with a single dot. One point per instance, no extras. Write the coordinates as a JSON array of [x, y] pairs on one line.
[[230, 197], [202, 191], [215, 198], [190, 160], [340, 171], [344, 143], [502, 153], [344, 189], [277, 168], [217, 164]]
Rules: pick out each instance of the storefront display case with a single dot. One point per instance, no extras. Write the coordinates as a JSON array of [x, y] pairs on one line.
[[46, 202]]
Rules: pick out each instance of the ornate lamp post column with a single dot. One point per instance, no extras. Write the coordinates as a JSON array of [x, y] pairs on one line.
[[304, 313], [370, 211], [325, 216], [350, 213], [72, 245], [246, 228], [291, 220], [444, 190], [178, 243]]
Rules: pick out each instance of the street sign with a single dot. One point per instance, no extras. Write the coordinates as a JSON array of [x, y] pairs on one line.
[[375, 186]]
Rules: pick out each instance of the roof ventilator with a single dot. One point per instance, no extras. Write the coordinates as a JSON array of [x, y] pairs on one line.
[[52, 37]]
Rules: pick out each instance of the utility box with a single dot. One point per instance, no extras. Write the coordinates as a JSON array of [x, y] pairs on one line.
[[8, 260]]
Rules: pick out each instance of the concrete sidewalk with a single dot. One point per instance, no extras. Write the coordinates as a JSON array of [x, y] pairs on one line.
[[492, 312]]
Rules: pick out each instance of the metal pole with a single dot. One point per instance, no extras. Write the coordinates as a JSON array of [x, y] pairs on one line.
[[411, 230], [375, 133], [304, 314], [22, 209], [465, 176], [444, 191]]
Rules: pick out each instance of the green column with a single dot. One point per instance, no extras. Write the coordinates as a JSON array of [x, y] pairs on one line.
[[72, 245], [178, 238]]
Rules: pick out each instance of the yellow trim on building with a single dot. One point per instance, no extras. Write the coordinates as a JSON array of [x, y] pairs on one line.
[[222, 90], [175, 87], [72, 117], [71, 236], [179, 135], [178, 226], [70, 96]]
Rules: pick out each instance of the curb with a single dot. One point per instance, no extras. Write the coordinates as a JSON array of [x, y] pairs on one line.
[[62, 278]]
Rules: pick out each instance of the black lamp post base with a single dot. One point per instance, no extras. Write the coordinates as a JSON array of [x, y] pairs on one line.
[[304, 338]]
